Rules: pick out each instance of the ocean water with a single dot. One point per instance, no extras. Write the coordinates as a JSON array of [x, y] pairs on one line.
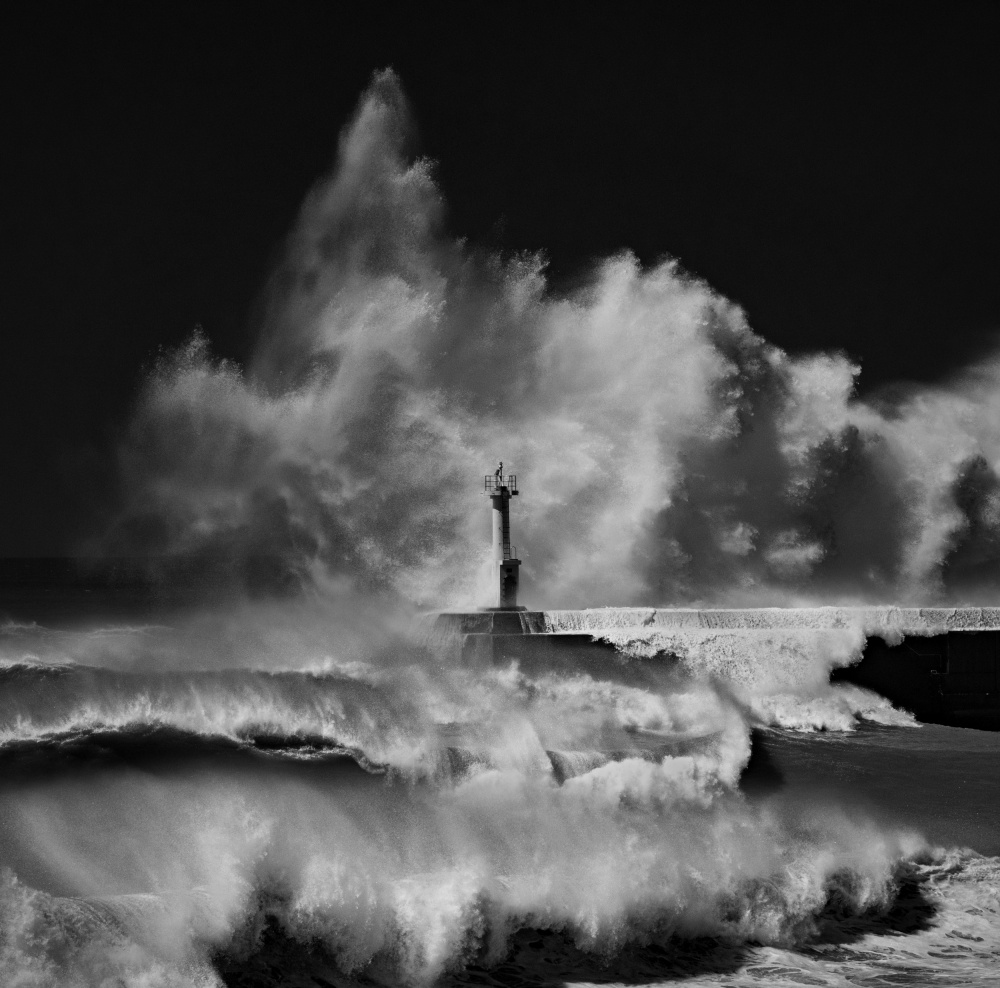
[[246, 797]]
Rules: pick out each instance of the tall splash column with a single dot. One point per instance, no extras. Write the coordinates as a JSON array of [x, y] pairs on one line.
[[505, 565]]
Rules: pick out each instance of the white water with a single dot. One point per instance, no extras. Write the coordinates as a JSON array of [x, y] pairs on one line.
[[666, 452], [599, 803]]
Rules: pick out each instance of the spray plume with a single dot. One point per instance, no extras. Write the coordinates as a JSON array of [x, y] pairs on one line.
[[661, 435]]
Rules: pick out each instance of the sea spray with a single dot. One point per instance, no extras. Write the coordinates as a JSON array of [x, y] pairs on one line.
[[674, 455], [412, 882], [599, 802]]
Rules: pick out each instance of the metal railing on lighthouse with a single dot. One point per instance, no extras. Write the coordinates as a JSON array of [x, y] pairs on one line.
[[494, 484]]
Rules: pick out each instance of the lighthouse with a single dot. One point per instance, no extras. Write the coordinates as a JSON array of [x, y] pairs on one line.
[[504, 565]]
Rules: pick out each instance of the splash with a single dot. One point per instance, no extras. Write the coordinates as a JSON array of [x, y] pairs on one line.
[[396, 816], [668, 453], [601, 805]]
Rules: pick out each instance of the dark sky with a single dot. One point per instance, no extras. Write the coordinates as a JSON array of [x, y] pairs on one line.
[[835, 171]]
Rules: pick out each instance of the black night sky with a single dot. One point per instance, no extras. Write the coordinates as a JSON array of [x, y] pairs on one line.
[[834, 170]]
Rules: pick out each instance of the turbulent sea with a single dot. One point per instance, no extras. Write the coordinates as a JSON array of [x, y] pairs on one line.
[[244, 800]]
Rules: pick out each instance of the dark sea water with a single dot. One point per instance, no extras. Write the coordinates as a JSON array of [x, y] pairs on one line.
[[247, 797]]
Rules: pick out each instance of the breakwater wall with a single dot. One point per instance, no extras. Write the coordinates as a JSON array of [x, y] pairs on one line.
[[941, 664]]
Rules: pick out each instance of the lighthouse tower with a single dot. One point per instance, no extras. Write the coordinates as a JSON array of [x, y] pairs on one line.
[[505, 564]]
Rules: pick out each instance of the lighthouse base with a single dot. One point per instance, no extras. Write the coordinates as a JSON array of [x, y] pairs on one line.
[[490, 621]]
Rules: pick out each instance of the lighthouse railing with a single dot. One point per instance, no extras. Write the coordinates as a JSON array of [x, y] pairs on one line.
[[493, 484]]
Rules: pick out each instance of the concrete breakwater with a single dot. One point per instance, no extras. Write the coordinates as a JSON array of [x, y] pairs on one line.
[[941, 664]]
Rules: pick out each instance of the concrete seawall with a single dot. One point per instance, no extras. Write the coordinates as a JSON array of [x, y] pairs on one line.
[[941, 664], [951, 678]]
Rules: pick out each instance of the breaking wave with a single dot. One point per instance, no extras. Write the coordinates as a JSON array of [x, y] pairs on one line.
[[407, 818]]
